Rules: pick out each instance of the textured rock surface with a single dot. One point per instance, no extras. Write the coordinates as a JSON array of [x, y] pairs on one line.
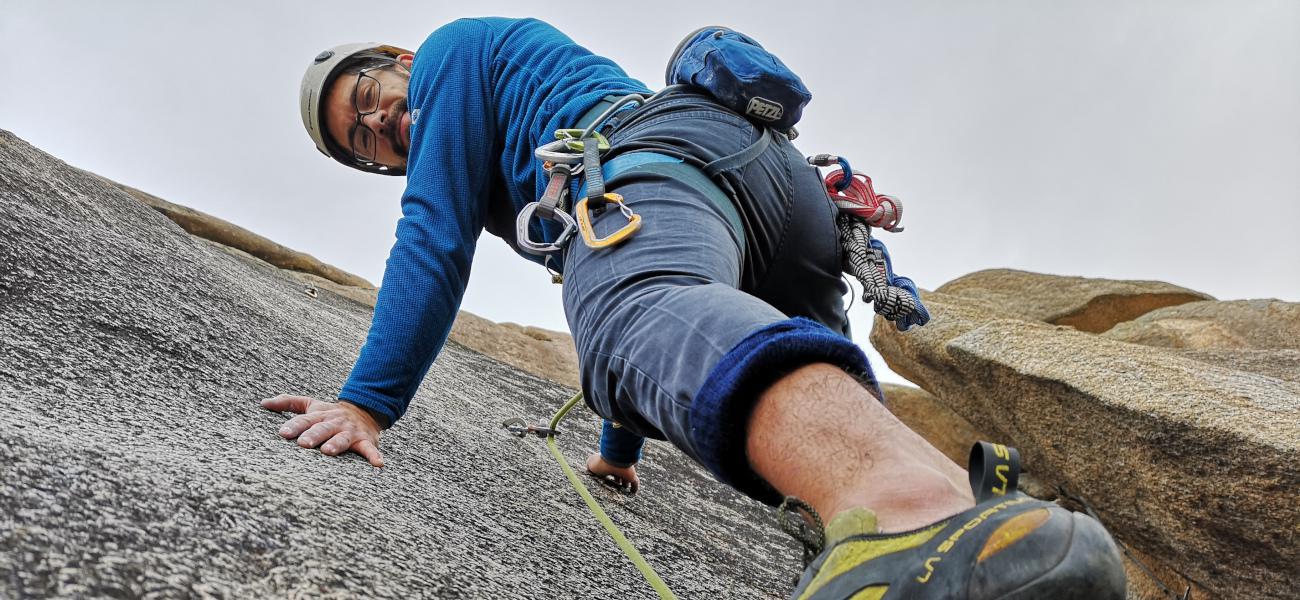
[[1250, 324], [1093, 305], [226, 233], [1190, 462], [927, 415], [541, 352], [1282, 364], [135, 460]]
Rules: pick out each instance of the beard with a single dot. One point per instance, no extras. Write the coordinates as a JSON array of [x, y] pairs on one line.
[[395, 132]]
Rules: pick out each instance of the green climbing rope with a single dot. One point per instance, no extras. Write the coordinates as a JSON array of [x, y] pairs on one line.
[[646, 570]]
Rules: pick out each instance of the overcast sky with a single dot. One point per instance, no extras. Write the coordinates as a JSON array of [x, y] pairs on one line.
[[1135, 140]]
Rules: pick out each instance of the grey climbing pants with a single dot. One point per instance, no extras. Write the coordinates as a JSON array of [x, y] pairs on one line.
[[681, 327]]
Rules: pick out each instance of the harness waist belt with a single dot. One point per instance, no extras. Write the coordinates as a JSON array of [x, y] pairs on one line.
[[629, 164]]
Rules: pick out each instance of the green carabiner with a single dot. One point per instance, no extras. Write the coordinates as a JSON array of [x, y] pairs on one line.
[[574, 141]]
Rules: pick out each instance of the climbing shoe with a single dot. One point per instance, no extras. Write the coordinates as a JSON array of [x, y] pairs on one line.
[[1009, 547]]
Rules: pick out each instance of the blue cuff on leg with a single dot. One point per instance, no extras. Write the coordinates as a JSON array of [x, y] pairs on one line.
[[720, 412], [618, 446]]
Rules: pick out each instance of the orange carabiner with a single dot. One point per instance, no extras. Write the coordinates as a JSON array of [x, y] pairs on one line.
[[589, 236]]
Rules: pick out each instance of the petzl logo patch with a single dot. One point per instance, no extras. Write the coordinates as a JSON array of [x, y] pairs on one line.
[[762, 108]]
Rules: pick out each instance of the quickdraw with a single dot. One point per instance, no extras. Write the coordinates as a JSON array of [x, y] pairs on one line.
[[574, 152], [860, 208], [521, 428], [543, 248]]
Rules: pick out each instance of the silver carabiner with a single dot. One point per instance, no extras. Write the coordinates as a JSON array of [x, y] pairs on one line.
[[541, 249], [558, 152]]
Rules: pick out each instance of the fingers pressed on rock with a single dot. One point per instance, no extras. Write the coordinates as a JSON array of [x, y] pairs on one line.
[[318, 433], [367, 450], [338, 444], [283, 402], [295, 426]]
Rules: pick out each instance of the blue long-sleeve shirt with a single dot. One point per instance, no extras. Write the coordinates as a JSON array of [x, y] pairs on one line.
[[484, 93]]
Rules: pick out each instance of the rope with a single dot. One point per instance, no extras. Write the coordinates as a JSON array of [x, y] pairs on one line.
[[811, 534], [895, 298], [646, 570]]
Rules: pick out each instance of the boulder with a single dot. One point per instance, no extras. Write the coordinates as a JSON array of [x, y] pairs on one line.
[[1093, 305], [1282, 364], [135, 460], [541, 352], [1188, 455], [1246, 324], [1189, 462]]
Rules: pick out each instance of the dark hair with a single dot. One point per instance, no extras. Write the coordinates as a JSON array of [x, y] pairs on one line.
[[350, 67]]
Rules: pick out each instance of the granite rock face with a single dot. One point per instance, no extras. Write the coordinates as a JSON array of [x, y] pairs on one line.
[[1238, 324], [1092, 305], [1188, 456], [208, 227], [135, 460], [541, 352], [928, 416]]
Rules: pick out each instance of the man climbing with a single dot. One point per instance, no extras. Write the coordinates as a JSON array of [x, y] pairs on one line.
[[718, 325]]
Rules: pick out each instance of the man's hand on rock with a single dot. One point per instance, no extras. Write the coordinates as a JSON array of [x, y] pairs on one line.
[[334, 427]]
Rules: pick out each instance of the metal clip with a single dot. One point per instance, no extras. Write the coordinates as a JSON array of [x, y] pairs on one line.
[[575, 169], [541, 249], [521, 428], [573, 139], [823, 160], [557, 152], [589, 235]]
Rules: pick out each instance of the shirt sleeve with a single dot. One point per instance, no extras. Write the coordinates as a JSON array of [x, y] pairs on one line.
[[449, 170]]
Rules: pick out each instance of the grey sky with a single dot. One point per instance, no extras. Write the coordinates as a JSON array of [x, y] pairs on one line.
[[1148, 140]]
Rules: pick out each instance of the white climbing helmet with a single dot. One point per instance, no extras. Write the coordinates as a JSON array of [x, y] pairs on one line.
[[311, 98]]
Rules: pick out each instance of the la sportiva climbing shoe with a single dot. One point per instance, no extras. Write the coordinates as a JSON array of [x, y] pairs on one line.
[[1008, 547]]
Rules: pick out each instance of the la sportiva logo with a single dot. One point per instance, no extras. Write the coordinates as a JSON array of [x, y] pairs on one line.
[[762, 108]]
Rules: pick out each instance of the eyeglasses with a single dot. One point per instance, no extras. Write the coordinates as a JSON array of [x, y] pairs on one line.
[[365, 98]]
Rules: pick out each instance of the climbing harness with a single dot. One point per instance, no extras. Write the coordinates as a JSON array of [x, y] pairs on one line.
[[575, 151], [521, 428], [578, 151], [860, 208]]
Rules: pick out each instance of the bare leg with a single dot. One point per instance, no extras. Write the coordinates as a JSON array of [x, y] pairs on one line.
[[819, 435]]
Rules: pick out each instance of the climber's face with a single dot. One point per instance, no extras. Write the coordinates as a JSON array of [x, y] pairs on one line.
[[366, 113]]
